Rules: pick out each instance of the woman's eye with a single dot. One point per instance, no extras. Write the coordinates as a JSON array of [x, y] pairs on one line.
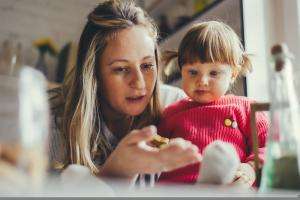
[[214, 73], [192, 72], [121, 70], [147, 66]]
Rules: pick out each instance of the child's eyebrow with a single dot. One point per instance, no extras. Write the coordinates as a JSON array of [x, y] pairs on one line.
[[218, 69]]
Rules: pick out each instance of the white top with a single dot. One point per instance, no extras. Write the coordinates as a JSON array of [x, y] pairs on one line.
[[169, 94]]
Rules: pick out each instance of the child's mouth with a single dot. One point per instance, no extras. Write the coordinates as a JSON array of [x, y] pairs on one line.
[[200, 92]]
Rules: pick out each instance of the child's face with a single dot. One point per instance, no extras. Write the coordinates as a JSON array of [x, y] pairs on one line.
[[206, 82]]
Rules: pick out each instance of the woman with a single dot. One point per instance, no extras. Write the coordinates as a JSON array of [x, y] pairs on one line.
[[104, 110]]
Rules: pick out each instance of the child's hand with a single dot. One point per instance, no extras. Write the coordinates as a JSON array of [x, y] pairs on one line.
[[245, 175]]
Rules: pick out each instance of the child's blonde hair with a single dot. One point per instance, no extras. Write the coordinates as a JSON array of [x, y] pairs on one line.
[[213, 41]]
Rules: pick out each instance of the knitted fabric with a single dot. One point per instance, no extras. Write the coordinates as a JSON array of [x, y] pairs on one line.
[[203, 123]]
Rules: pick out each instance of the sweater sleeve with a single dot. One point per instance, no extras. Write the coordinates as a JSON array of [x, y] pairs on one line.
[[262, 126], [166, 124], [163, 128]]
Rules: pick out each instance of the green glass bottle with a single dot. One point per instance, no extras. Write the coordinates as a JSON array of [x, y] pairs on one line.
[[281, 168]]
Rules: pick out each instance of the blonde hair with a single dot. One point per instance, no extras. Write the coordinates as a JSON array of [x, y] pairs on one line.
[[81, 116], [214, 41]]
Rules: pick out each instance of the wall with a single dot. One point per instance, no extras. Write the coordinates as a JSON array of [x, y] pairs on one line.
[[27, 20], [266, 23]]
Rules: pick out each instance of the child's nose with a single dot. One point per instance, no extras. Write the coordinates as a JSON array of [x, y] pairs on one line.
[[204, 80]]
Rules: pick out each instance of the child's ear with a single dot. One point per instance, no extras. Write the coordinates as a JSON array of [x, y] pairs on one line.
[[233, 77], [235, 73]]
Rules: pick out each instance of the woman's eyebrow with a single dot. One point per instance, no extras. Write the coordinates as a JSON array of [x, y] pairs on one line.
[[148, 57], [117, 60], [124, 60]]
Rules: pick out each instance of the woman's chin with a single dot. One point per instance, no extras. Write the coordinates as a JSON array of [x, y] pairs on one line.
[[136, 107], [134, 111]]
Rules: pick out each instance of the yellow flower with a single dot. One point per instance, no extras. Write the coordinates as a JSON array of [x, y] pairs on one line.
[[44, 45]]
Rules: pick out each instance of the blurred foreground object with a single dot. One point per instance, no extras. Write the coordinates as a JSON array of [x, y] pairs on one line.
[[220, 163], [78, 176], [281, 169], [24, 118]]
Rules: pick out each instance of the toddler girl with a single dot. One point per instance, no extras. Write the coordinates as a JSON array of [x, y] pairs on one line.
[[210, 58]]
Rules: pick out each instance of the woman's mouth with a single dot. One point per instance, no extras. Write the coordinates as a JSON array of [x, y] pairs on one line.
[[135, 99]]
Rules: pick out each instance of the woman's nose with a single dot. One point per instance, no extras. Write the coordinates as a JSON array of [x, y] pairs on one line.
[[138, 80]]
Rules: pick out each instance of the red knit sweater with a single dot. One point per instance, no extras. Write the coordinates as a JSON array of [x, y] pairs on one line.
[[203, 123]]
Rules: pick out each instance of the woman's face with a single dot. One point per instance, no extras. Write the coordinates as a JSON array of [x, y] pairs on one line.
[[128, 71]]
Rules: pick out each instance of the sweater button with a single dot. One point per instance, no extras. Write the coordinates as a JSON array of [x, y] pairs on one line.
[[227, 122]]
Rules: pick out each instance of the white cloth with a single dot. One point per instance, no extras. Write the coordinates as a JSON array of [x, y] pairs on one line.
[[169, 94], [220, 163]]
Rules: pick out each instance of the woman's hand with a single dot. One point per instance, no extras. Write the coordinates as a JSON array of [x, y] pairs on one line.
[[133, 156], [245, 175]]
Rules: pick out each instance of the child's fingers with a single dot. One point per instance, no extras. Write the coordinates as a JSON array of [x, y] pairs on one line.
[[238, 174], [184, 159], [241, 182], [245, 175]]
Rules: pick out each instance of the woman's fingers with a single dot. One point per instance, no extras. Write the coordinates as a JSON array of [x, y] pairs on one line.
[[180, 157], [142, 158], [143, 135], [178, 153]]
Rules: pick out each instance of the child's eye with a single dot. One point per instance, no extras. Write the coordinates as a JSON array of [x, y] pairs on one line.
[[147, 66], [214, 73], [192, 72], [121, 70]]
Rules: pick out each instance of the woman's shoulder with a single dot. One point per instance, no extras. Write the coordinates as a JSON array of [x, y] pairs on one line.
[[170, 94], [55, 97], [57, 151], [56, 103]]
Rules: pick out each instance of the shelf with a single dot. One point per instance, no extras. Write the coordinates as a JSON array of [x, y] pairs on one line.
[[158, 7]]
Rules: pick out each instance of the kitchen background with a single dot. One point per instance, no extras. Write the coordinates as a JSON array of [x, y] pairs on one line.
[[44, 33]]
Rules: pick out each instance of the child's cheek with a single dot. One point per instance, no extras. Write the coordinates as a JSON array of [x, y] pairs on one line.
[[186, 84]]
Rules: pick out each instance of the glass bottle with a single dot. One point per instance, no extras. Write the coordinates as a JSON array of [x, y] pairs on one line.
[[281, 168], [24, 119]]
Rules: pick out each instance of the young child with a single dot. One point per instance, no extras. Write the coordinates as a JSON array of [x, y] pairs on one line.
[[210, 58]]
